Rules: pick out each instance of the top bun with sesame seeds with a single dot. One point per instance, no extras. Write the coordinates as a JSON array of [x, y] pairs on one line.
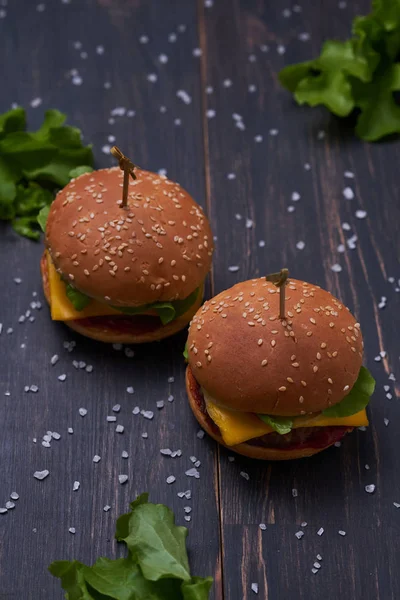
[[158, 249], [248, 359]]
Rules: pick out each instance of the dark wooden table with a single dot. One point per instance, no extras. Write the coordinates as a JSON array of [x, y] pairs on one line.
[[97, 60]]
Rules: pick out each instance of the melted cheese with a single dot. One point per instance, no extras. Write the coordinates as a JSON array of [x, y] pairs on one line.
[[237, 427], [61, 307]]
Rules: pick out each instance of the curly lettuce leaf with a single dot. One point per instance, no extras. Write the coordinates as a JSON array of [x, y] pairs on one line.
[[357, 399], [167, 311], [34, 164], [42, 217], [281, 425], [357, 74], [77, 298], [156, 543], [156, 568]]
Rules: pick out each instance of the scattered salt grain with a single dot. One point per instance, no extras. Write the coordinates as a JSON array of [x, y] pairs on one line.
[[147, 414], [36, 102], [116, 408], [210, 113], [300, 245], [262, 526], [14, 496], [76, 486], [254, 588], [171, 379], [370, 489], [83, 412], [10, 505], [273, 132], [336, 268], [70, 430], [106, 508], [320, 531], [41, 474], [386, 421], [72, 530], [96, 458], [122, 479], [111, 419], [170, 398], [233, 268], [361, 214], [396, 504], [299, 534], [170, 479], [187, 518], [295, 493], [184, 96], [124, 454], [245, 475], [3, 511], [341, 532], [136, 410], [119, 429], [145, 435], [193, 473], [130, 390], [160, 404], [200, 434], [295, 197], [54, 359]]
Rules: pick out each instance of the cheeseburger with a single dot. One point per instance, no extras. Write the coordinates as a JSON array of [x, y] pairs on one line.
[[130, 269], [276, 373]]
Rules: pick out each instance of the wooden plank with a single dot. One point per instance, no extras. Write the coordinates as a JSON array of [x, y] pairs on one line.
[[242, 48], [45, 46]]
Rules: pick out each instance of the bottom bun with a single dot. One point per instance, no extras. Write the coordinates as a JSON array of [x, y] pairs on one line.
[[197, 404], [137, 329]]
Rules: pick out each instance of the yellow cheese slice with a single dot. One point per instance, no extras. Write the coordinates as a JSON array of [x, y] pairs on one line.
[[61, 307], [237, 427]]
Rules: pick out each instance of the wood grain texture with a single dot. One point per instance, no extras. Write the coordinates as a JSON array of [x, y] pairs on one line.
[[200, 150], [330, 486], [42, 49]]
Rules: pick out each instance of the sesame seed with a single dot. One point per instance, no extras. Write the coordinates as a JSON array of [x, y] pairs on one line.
[[309, 333], [295, 364], [303, 383], [318, 356], [260, 342], [346, 387], [273, 343], [301, 399], [264, 362], [315, 368], [331, 324], [198, 364], [282, 388], [313, 321], [323, 345], [330, 381]]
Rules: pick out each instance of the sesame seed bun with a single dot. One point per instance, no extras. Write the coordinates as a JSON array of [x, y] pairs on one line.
[[252, 450], [250, 360], [158, 249], [137, 329]]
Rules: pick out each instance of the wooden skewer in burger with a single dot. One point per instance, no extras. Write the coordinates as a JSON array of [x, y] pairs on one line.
[[127, 252], [275, 368]]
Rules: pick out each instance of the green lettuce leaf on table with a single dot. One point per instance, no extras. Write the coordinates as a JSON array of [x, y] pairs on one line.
[[157, 566], [33, 165], [358, 74]]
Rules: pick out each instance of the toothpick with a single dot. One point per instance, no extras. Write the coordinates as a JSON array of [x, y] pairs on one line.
[[280, 280], [127, 167]]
